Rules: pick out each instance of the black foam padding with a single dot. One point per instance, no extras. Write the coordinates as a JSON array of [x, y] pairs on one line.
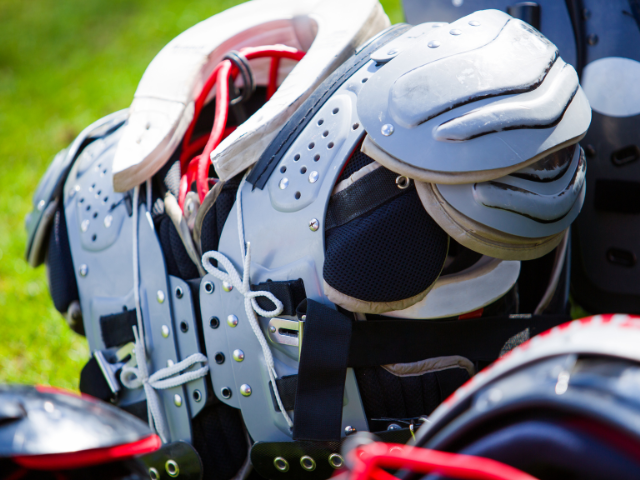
[[214, 220], [220, 439], [92, 381], [177, 260], [393, 253], [385, 395], [357, 161], [60, 272]]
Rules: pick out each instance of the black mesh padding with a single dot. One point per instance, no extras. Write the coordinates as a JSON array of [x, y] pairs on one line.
[[175, 255], [355, 163], [216, 217], [385, 395], [221, 441], [60, 271], [393, 253]]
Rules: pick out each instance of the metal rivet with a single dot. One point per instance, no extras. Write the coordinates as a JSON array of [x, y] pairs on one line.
[[48, 407], [457, 3], [433, 44], [172, 468], [208, 287], [313, 177], [283, 183], [308, 463], [41, 205], [232, 321], [83, 270], [179, 292], [238, 355], [225, 392], [592, 39], [226, 286], [349, 430], [272, 329], [402, 182], [245, 390], [160, 296], [170, 363], [153, 473], [177, 400], [387, 129], [107, 221], [336, 460], [84, 226], [474, 23], [197, 396], [314, 224], [394, 426], [281, 464], [455, 31], [165, 331]]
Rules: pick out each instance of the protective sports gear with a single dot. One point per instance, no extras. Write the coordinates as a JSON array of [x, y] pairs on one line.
[[267, 270]]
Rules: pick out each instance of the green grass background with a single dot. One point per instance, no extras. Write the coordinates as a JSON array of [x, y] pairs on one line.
[[64, 64]]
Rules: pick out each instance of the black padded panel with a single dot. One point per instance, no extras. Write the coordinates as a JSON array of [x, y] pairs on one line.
[[175, 255], [217, 215], [357, 161], [392, 253], [60, 271], [385, 395], [220, 440]]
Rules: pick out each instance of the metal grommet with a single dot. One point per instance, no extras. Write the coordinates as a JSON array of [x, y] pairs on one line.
[[214, 322], [402, 182], [208, 287], [153, 473], [179, 292], [219, 358], [308, 463], [336, 460], [225, 392], [197, 396], [281, 464], [172, 468]]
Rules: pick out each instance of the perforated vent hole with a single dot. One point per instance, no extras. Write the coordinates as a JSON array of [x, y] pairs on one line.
[[106, 199], [316, 158], [98, 193], [311, 145], [364, 80], [335, 110], [88, 207], [298, 195], [325, 133], [330, 145], [356, 126], [283, 169], [297, 157], [95, 214], [320, 122], [81, 200], [94, 237], [303, 170]]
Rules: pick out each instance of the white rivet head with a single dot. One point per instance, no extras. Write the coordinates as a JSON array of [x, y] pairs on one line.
[[170, 363], [107, 221], [226, 286], [160, 296], [165, 331], [457, 3], [238, 355], [84, 226], [433, 44], [232, 321], [455, 31], [283, 183], [474, 23], [313, 177], [49, 407], [387, 129], [245, 390], [272, 329], [314, 224], [41, 205], [83, 270], [349, 430], [177, 400]]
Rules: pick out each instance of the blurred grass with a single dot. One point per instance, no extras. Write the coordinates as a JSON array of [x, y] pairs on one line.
[[64, 64]]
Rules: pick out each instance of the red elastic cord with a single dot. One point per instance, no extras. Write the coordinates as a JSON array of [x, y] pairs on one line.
[[220, 78], [86, 458], [370, 460]]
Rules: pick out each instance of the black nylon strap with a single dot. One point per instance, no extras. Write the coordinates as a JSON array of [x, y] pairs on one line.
[[322, 374], [366, 194], [92, 381], [289, 292], [117, 328], [287, 387]]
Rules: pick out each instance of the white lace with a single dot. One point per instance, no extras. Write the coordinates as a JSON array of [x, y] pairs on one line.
[[243, 286], [168, 377]]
